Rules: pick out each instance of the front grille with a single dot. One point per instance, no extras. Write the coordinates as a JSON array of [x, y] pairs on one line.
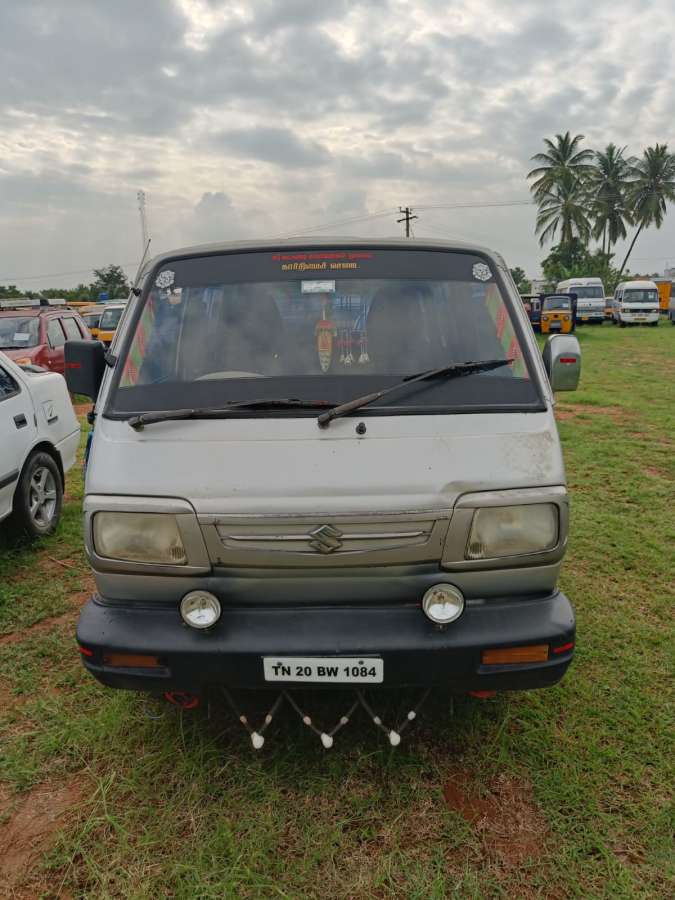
[[327, 541]]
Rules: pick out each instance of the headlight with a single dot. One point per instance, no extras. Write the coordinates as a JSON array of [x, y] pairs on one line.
[[139, 537], [443, 603], [513, 530], [200, 609]]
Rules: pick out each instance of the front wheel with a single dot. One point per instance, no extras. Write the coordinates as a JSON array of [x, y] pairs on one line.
[[39, 496], [622, 323]]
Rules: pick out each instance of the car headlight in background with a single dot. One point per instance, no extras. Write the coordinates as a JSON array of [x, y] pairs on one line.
[[139, 537], [513, 530]]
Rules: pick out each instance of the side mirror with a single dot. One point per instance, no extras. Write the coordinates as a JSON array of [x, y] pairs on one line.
[[85, 365], [562, 359]]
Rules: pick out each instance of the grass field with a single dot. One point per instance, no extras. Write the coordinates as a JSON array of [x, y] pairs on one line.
[[561, 793]]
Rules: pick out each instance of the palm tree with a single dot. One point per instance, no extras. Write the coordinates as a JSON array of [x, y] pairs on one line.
[[651, 186], [562, 155], [563, 206], [608, 183]]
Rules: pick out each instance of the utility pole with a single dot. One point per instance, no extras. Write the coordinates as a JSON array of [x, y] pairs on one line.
[[407, 218], [144, 222]]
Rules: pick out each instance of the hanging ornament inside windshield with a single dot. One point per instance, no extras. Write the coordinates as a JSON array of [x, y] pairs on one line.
[[325, 334], [361, 330], [349, 357], [364, 359]]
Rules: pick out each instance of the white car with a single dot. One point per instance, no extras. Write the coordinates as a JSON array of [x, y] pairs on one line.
[[39, 437]]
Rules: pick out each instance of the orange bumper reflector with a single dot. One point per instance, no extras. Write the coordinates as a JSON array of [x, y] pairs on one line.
[[132, 660], [482, 695], [564, 648], [504, 655]]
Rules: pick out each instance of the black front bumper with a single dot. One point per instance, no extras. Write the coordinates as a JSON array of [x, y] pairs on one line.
[[413, 650]]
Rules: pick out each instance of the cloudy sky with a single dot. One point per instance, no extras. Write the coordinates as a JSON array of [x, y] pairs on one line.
[[246, 119]]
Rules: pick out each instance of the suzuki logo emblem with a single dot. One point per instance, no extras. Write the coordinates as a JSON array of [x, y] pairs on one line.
[[326, 539]]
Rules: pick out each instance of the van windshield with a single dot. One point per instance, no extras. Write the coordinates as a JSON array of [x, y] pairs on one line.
[[587, 292], [557, 303], [324, 325], [91, 318], [19, 331], [111, 318], [640, 296]]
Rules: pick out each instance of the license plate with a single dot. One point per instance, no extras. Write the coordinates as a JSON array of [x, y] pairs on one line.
[[584, 318], [324, 670]]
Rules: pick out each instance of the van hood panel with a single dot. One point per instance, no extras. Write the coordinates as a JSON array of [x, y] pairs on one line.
[[291, 467]]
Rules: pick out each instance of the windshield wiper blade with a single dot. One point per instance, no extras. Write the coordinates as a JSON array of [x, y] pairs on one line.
[[454, 370], [221, 412]]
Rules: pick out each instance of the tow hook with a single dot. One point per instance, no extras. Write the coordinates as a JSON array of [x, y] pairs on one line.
[[183, 699]]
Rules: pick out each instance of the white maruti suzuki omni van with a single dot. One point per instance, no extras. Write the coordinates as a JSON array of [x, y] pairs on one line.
[[325, 463]]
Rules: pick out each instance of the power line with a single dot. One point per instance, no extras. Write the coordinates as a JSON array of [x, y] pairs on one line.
[[467, 235], [507, 203], [353, 220], [477, 205]]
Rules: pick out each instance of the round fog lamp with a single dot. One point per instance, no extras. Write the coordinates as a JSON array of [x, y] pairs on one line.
[[200, 609], [443, 603]]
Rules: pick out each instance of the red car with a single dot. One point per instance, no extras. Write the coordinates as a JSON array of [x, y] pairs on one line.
[[33, 332]]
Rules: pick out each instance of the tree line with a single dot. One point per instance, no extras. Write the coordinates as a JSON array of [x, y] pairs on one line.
[[584, 194], [110, 280]]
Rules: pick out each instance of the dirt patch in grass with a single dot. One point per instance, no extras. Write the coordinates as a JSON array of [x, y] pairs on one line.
[[566, 411], [511, 827], [81, 409], [7, 701], [15, 637], [46, 564], [656, 473], [31, 827]]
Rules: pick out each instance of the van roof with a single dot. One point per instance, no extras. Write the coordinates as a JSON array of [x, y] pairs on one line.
[[642, 284], [581, 281], [309, 242]]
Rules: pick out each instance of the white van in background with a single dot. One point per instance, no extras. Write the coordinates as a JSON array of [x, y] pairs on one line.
[[636, 303], [590, 297]]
